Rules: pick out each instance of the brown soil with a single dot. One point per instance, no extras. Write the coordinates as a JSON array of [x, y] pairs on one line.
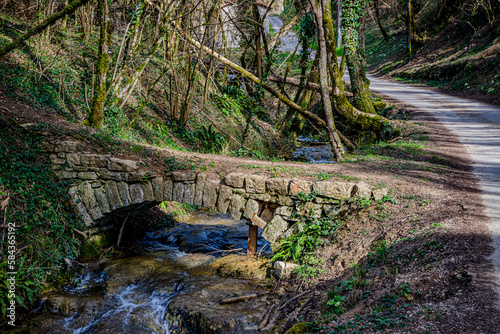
[[436, 266], [445, 261]]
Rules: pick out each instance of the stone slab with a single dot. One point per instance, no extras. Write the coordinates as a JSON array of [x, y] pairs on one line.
[[224, 199], [210, 194], [178, 193], [277, 186], [168, 187], [236, 180], [184, 176], [335, 190], [251, 208], [297, 186], [237, 206], [255, 184], [200, 185], [276, 227], [189, 189]]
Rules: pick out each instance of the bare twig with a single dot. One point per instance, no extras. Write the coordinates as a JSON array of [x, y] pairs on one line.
[[265, 318], [240, 298], [121, 231]]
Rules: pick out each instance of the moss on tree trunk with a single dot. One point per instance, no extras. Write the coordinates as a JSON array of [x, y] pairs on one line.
[[353, 116], [319, 8], [97, 111]]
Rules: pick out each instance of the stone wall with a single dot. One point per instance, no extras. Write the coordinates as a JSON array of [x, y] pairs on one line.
[[105, 190]]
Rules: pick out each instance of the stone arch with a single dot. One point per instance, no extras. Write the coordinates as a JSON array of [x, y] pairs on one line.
[[105, 189]]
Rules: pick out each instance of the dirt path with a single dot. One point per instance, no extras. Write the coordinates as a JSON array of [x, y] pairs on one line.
[[477, 125]]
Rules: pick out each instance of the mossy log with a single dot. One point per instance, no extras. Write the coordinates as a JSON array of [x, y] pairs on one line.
[[68, 10]]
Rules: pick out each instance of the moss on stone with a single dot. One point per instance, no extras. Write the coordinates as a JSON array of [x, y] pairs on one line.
[[299, 328], [93, 246]]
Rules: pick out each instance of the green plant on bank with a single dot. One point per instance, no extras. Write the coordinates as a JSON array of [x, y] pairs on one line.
[[171, 164], [380, 250], [307, 197], [177, 210], [335, 303], [301, 246], [38, 204], [364, 201], [209, 140]]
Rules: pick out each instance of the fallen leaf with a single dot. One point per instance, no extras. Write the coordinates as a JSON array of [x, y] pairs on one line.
[[5, 203]]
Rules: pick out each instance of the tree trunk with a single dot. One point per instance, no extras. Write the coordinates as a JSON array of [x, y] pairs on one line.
[[339, 23], [356, 64], [319, 9], [408, 27], [379, 21], [43, 25], [353, 116], [97, 111]]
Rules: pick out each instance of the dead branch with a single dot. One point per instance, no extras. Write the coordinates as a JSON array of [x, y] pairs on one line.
[[240, 298]]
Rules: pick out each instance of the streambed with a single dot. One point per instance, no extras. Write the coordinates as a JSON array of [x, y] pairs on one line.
[[169, 285]]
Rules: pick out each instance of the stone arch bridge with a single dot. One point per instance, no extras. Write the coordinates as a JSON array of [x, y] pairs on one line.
[[105, 189]]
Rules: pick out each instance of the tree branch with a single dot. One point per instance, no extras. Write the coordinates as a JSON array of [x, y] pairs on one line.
[[69, 9]]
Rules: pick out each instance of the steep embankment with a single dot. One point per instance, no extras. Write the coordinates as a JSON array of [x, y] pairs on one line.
[[459, 53]]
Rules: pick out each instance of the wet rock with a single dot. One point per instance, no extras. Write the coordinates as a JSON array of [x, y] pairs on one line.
[[198, 310], [321, 154]]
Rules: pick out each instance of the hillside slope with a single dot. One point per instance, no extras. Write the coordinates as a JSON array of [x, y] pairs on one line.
[[459, 53]]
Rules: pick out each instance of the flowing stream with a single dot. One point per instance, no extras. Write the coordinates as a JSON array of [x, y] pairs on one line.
[[167, 286]]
